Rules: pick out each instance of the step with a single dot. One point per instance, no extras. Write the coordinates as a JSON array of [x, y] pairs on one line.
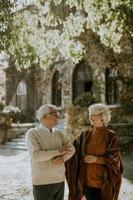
[[12, 143], [16, 143], [18, 140], [18, 147], [21, 136]]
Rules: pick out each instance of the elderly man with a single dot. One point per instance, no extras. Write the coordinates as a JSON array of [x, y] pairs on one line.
[[48, 149]]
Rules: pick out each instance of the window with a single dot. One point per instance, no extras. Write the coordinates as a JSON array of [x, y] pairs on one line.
[[111, 86], [82, 79], [21, 95], [56, 89]]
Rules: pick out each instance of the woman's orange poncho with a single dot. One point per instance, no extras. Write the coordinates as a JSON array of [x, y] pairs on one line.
[[75, 168]]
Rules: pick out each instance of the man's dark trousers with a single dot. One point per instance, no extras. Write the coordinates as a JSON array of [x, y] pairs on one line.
[[49, 192]]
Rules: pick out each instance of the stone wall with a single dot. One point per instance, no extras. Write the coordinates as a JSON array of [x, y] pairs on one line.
[[125, 133], [6, 134], [29, 76]]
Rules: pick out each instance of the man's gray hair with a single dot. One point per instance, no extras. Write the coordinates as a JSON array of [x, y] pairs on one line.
[[45, 110]]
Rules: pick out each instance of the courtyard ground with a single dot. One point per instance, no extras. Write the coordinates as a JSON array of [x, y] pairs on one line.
[[15, 181]]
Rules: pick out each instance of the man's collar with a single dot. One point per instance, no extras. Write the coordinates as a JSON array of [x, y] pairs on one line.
[[43, 126]]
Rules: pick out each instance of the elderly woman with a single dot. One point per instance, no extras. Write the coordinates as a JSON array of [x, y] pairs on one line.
[[95, 170]]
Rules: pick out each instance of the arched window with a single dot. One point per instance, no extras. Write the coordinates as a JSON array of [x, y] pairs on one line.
[[82, 79], [111, 86], [56, 89], [21, 95]]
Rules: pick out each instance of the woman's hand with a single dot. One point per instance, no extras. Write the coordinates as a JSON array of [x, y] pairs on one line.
[[90, 159], [83, 198]]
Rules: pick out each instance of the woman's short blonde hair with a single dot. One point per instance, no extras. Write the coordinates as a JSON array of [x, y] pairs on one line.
[[100, 108]]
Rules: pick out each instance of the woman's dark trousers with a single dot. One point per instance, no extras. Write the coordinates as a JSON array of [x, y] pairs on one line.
[[93, 193]]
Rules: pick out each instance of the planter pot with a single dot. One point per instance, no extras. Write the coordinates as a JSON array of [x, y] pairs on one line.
[[2, 120], [5, 121]]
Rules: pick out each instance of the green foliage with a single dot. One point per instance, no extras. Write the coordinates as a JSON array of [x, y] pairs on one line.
[[117, 115], [126, 99], [24, 33], [77, 114], [124, 112], [27, 116], [84, 100], [77, 121], [6, 23]]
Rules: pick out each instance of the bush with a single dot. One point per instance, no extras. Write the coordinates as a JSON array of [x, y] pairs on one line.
[[119, 116], [77, 121], [126, 99], [123, 113], [84, 100], [77, 115], [27, 116]]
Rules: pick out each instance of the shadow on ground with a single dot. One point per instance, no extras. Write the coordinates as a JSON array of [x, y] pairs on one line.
[[8, 152], [128, 165]]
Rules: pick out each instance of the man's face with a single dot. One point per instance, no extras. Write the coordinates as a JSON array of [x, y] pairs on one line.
[[51, 119]]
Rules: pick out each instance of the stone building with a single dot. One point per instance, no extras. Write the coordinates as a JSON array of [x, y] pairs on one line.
[[58, 85], [62, 82]]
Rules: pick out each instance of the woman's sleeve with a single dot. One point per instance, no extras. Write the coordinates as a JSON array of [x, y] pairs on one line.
[[72, 170], [113, 156], [114, 165]]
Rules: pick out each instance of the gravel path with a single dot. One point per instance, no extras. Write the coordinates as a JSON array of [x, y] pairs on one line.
[[15, 182]]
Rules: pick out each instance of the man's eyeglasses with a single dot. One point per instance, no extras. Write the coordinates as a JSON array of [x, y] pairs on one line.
[[52, 114]]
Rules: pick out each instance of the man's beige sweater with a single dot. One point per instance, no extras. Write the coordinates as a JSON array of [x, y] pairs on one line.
[[43, 146]]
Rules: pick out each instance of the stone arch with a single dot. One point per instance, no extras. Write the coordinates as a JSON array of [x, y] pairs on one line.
[[81, 79], [56, 89], [111, 86], [21, 95]]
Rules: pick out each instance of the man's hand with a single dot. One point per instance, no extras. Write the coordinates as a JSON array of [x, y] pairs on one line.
[[90, 159], [64, 150], [57, 160]]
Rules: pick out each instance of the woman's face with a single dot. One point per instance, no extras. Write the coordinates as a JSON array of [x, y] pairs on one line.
[[96, 120]]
